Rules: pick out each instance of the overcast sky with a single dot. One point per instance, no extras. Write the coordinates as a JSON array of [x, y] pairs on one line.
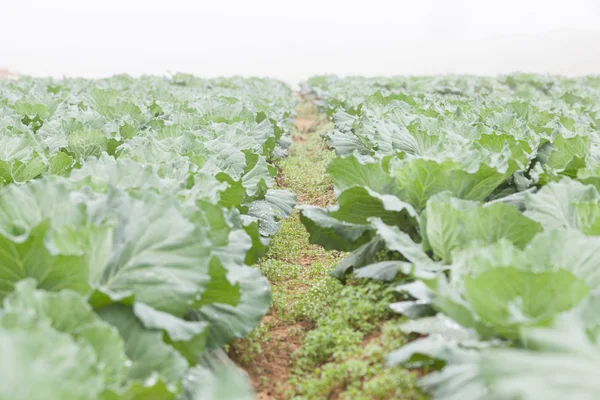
[[292, 40]]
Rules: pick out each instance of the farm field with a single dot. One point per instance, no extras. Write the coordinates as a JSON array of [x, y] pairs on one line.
[[363, 238]]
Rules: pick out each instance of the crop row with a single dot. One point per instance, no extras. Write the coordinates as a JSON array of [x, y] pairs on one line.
[[478, 199], [129, 211]]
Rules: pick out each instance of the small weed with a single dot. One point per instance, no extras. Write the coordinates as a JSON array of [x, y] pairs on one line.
[[339, 355], [251, 347], [304, 170], [277, 271], [353, 313], [291, 242]]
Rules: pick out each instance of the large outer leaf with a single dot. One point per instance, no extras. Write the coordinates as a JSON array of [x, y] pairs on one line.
[[423, 178], [401, 242], [31, 259], [508, 298], [506, 287], [237, 296], [349, 172], [548, 251], [144, 347], [217, 378], [564, 156], [67, 312], [105, 172], [277, 204], [558, 362], [24, 207], [332, 233], [157, 254], [360, 257], [188, 337], [234, 320], [555, 205], [157, 390], [64, 369], [357, 204], [452, 224]]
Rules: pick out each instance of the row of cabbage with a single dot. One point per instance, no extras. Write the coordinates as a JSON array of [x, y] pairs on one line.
[[129, 211], [478, 199]]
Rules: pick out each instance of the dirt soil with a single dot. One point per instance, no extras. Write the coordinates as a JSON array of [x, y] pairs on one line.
[[269, 371], [303, 124]]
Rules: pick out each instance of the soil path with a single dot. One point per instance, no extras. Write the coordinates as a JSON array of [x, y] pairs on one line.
[[279, 336], [313, 316]]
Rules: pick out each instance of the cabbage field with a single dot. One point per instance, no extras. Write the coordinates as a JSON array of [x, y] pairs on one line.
[[363, 238], [478, 200], [129, 211]]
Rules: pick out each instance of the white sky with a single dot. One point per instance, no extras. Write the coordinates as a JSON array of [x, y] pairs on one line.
[[293, 40]]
